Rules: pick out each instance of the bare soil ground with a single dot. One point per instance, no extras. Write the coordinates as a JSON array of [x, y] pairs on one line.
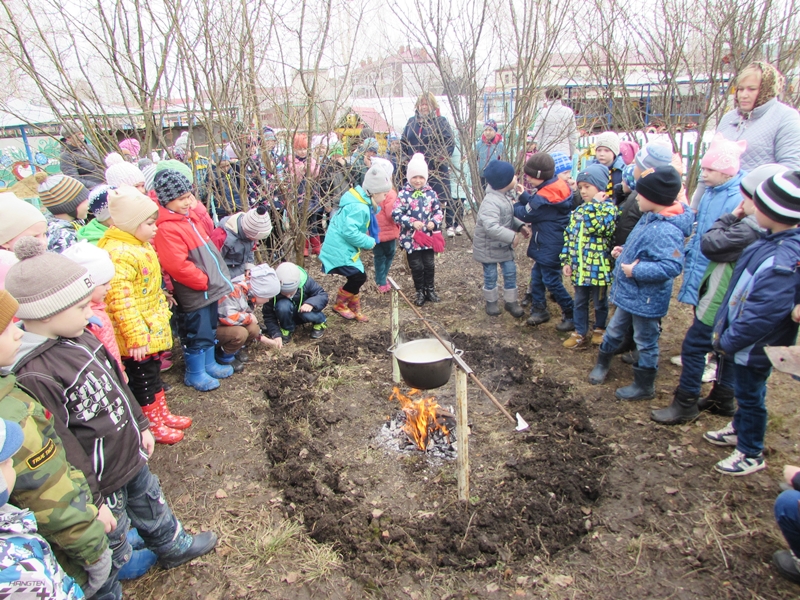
[[594, 501]]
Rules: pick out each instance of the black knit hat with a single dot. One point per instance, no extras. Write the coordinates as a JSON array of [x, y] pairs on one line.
[[541, 166], [779, 197], [660, 185], [169, 184]]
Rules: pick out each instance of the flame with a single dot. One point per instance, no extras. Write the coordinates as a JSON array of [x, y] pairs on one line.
[[421, 421]]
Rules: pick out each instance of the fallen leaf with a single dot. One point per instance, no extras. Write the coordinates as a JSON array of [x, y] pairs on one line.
[[671, 490], [221, 494], [586, 510], [491, 588], [523, 580], [563, 580], [303, 453], [290, 577], [376, 514]]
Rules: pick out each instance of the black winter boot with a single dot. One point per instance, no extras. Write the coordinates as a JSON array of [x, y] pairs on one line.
[[642, 388], [511, 305], [491, 297], [682, 410], [420, 300], [430, 294], [567, 324], [600, 371], [720, 401], [539, 315], [185, 548], [527, 300]]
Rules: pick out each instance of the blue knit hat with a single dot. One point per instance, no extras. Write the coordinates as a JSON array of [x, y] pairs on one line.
[[498, 174], [563, 162], [652, 156], [628, 178], [596, 175], [490, 123], [98, 201]]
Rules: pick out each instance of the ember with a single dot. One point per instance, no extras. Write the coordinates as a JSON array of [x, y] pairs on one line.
[[425, 421]]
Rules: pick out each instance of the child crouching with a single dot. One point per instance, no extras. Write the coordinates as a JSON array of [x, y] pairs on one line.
[[301, 300]]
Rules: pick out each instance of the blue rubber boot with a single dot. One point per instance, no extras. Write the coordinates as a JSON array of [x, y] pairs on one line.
[[214, 369], [134, 539], [196, 375], [140, 563]]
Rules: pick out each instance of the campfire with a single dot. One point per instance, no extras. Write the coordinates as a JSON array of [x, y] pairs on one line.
[[427, 426]]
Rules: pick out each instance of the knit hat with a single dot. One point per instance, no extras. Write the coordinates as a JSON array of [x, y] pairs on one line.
[[778, 198], [149, 173], [336, 150], [60, 194], [289, 276], [16, 216], [660, 185], [131, 145], [417, 166], [385, 164], [169, 185], [628, 151], [96, 260], [653, 155], [130, 208], [8, 308], [45, 283], [11, 439], [723, 155], [370, 145], [594, 174], [608, 139], [98, 202], [490, 123], [628, 178], [255, 223], [175, 165], [264, 282], [758, 176], [377, 180], [120, 172], [392, 137], [269, 134], [563, 163], [498, 174], [144, 162], [540, 166]]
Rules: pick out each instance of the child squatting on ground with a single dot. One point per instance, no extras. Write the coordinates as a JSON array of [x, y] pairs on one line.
[[497, 233], [301, 300], [102, 427], [646, 266]]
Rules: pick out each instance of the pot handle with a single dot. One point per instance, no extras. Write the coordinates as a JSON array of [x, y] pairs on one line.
[[458, 352], [392, 348]]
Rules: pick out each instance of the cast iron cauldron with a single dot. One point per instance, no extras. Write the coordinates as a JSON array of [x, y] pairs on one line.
[[424, 364]]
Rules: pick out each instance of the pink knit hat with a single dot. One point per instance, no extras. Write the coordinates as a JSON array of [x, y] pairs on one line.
[[723, 155]]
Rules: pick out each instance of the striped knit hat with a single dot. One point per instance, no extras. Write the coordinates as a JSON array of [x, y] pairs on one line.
[[60, 194], [45, 283], [98, 202], [778, 198]]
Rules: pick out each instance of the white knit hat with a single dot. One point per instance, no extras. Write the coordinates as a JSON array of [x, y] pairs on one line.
[[417, 166], [16, 216], [264, 282], [289, 276], [610, 140], [120, 172], [95, 260]]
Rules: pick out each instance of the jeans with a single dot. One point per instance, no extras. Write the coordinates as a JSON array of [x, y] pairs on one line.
[[696, 344], [139, 503], [383, 255], [509, 269], [646, 332], [750, 420], [787, 514], [599, 295], [550, 278], [198, 328], [422, 268], [289, 316]]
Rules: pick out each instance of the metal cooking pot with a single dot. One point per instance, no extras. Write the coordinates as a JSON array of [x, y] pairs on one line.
[[424, 364]]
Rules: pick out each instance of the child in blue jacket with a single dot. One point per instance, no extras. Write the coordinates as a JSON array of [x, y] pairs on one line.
[[547, 210], [300, 301], [756, 312], [651, 258]]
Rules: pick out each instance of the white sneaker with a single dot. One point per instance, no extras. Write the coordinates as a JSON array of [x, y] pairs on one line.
[[722, 437], [459, 230], [710, 372], [738, 464], [451, 232], [676, 360]]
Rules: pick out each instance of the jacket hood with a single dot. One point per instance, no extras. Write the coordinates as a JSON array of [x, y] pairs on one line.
[[231, 223], [683, 220], [33, 344], [495, 140], [350, 198], [114, 233]]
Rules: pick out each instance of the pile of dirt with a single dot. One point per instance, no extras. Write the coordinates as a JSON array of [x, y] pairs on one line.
[[533, 497]]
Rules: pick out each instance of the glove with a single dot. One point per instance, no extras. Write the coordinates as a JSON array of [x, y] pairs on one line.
[[98, 573]]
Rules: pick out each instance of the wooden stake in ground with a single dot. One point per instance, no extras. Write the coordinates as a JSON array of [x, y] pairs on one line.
[[462, 431], [395, 322]]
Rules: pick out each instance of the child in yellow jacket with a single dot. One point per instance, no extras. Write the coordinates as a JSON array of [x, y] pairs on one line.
[[138, 307]]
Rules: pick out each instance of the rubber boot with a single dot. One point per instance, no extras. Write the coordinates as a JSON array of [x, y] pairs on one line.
[[420, 299], [213, 368], [491, 297], [341, 307], [539, 315], [431, 295], [720, 401], [141, 562], [316, 244], [354, 304], [186, 547], [642, 388], [682, 410], [630, 358], [170, 420], [242, 356], [161, 433], [566, 324], [228, 359], [196, 375], [600, 371], [511, 304]]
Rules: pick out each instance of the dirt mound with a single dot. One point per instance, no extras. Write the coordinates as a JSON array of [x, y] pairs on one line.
[[530, 494]]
